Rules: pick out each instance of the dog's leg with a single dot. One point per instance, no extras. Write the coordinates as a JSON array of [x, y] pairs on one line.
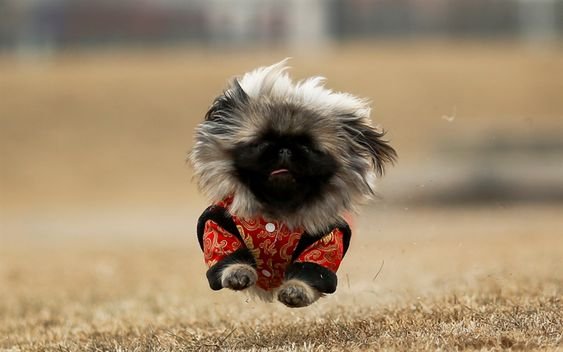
[[238, 276], [305, 283], [235, 271], [296, 293]]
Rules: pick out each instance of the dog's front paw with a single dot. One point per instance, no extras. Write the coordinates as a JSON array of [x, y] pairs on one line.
[[296, 293], [238, 276]]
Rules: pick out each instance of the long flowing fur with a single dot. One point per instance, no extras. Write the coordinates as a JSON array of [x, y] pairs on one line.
[[266, 98]]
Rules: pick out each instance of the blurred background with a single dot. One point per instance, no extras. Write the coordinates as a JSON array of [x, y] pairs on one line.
[[98, 104], [99, 99]]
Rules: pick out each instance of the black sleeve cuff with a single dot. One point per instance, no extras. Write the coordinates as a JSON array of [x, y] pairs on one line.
[[313, 274], [241, 256]]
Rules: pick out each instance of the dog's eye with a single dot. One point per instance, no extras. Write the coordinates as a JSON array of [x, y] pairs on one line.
[[258, 145]]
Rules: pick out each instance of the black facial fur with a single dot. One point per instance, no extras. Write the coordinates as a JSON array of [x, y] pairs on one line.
[[262, 164]]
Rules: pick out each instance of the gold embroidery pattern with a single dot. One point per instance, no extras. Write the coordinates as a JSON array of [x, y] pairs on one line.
[[217, 243]]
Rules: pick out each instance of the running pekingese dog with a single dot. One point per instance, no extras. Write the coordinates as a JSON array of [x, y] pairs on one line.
[[283, 164]]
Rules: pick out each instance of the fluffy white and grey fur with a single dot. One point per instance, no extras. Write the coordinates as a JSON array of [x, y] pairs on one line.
[[266, 98]]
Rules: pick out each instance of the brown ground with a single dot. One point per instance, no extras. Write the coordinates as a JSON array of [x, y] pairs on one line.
[[471, 279], [97, 250]]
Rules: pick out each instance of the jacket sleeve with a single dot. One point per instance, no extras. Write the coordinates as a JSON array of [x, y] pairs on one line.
[[221, 243], [218, 243], [327, 252], [318, 262]]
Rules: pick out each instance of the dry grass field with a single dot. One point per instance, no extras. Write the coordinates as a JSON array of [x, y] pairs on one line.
[[413, 280], [97, 210]]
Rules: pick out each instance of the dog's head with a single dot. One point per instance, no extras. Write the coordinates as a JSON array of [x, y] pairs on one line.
[[295, 152]]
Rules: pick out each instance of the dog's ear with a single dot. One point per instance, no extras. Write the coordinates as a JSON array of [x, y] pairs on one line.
[[224, 105], [372, 143], [380, 150]]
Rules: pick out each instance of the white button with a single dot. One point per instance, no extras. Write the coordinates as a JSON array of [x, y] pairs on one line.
[[266, 273], [270, 227]]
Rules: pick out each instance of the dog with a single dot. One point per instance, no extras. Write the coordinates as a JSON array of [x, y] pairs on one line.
[[283, 164]]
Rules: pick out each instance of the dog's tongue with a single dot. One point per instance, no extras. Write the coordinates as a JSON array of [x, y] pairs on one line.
[[279, 172]]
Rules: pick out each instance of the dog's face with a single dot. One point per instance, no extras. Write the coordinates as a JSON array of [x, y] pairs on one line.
[[297, 153], [284, 171]]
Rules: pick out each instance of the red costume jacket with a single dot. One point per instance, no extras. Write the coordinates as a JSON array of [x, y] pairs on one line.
[[276, 252]]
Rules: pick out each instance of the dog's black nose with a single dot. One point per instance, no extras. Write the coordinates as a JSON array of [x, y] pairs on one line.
[[285, 153]]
